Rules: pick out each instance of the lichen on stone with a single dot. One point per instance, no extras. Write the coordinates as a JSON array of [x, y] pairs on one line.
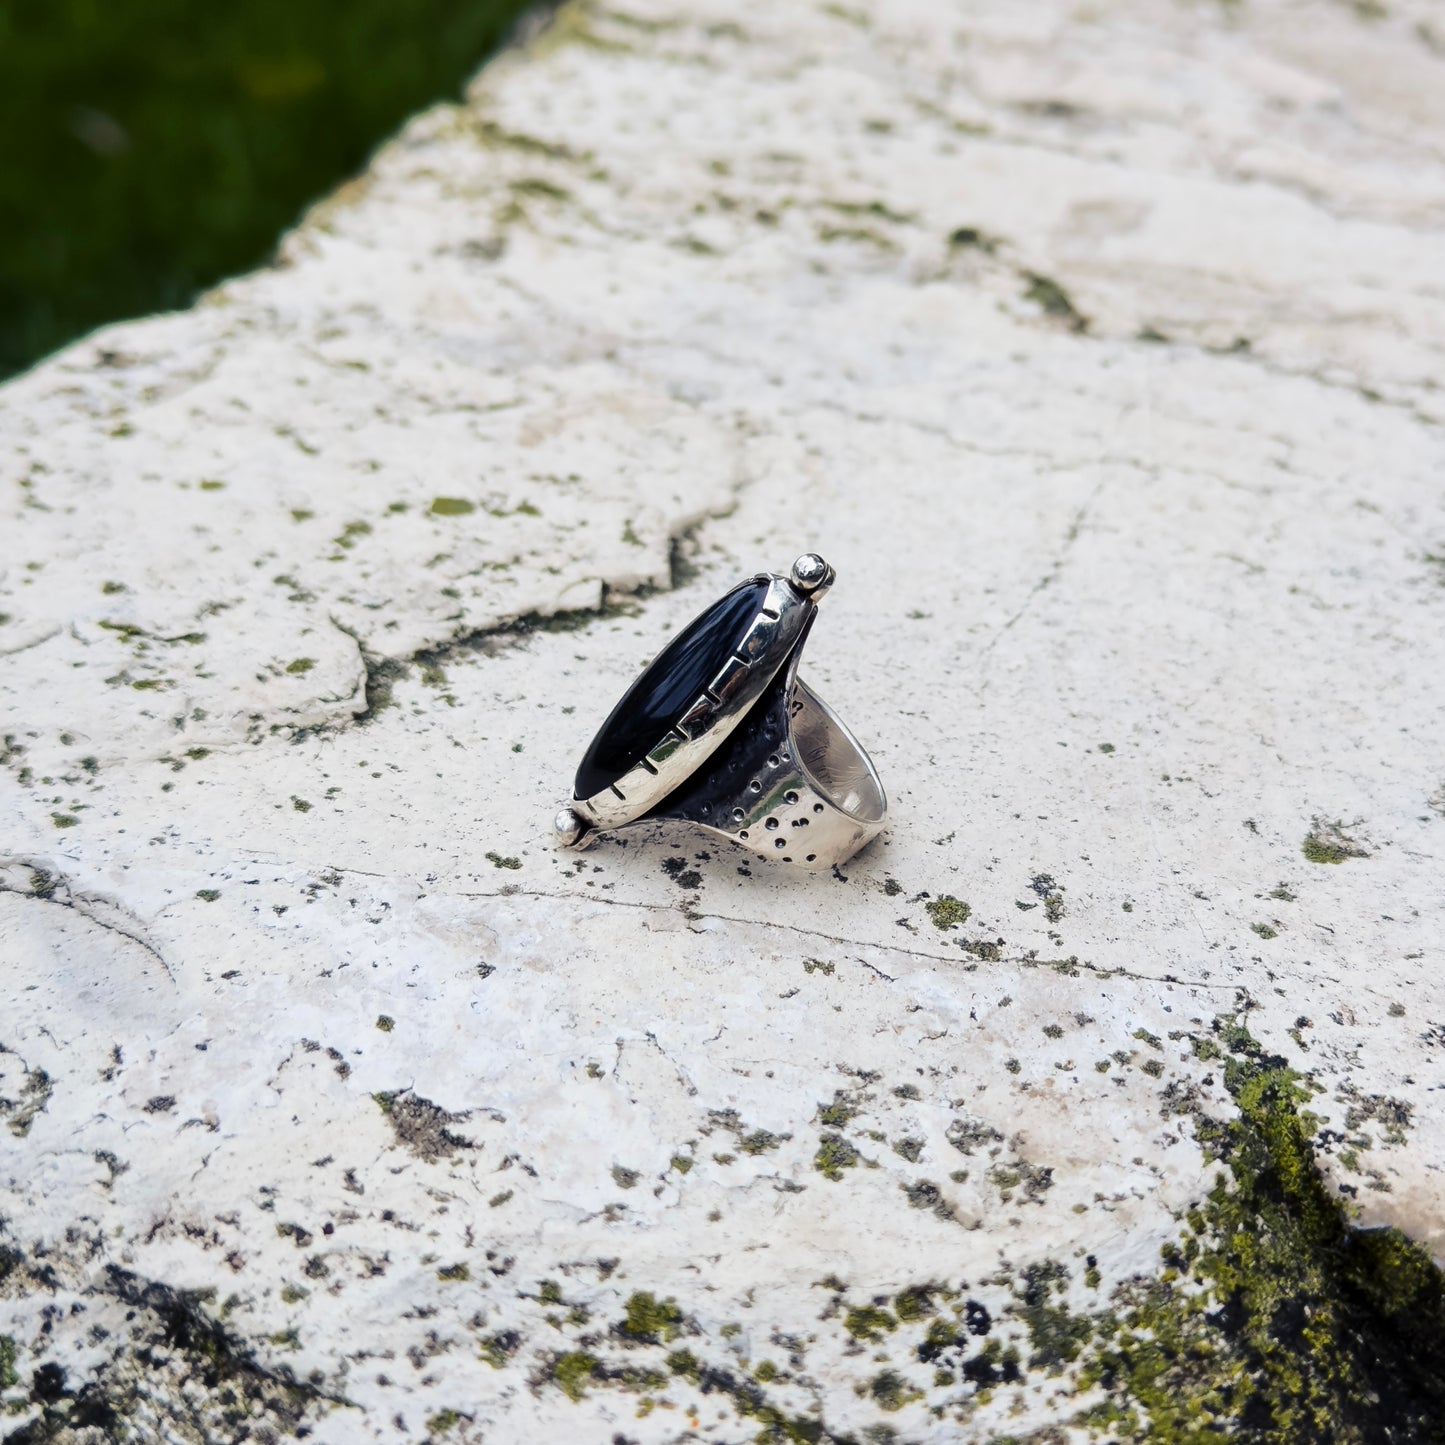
[[1329, 843], [947, 912]]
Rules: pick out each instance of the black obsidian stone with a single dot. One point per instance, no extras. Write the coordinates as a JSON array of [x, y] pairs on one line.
[[670, 686]]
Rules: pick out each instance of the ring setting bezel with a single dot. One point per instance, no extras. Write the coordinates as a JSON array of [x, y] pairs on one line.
[[752, 754], [705, 724]]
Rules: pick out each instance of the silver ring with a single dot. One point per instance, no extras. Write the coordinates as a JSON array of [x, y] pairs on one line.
[[719, 731]]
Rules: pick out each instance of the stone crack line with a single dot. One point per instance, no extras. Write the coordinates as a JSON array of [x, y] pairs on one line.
[[1047, 580], [48, 886], [380, 668], [1062, 965], [34, 642]]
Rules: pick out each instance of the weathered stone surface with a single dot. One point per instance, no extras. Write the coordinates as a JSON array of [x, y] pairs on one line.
[[1099, 350]]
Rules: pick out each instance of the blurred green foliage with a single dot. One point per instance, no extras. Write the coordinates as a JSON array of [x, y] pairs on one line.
[[150, 147]]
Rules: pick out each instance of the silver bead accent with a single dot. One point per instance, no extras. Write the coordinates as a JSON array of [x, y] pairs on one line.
[[811, 575], [568, 828]]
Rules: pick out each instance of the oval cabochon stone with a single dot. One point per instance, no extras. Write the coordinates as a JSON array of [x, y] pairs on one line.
[[672, 683]]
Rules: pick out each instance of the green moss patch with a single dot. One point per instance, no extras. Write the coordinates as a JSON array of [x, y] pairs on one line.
[[650, 1320], [868, 1322], [947, 911], [1329, 843], [760, 1141], [1273, 1320], [573, 1372], [1270, 1319], [835, 1154]]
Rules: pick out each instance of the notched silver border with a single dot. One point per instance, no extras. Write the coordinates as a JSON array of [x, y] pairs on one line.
[[765, 646]]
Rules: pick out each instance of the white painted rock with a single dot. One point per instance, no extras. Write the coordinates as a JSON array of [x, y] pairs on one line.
[[1099, 350]]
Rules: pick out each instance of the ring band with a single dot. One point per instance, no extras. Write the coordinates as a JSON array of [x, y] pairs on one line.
[[719, 731]]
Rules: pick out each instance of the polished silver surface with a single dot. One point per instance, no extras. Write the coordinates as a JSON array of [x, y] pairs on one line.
[[806, 795], [811, 575], [758, 758], [568, 827], [760, 651]]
